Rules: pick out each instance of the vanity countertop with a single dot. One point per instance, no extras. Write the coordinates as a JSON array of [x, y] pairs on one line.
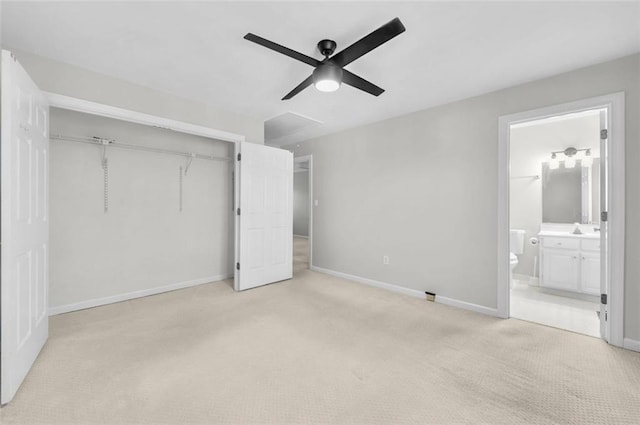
[[595, 235]]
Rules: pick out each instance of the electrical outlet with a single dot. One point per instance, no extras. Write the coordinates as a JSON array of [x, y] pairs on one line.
[[430, 296], [385, 259]]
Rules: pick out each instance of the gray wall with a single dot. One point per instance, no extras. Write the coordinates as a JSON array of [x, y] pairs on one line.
[[69, 80], [143, 241], [422, 189], [301, 203]]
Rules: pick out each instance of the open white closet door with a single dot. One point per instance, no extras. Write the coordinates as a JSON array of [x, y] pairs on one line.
[[24, 224], [264, 225], [604, 226]]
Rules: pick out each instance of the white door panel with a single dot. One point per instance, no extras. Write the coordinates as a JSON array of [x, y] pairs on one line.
[[24, 225], [265, 224], [604, 225]]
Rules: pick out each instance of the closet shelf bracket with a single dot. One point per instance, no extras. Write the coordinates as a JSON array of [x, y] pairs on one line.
[[105, 170], [189, 161]]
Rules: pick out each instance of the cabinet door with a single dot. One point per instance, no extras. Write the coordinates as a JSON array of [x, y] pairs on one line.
[[590, 273], [560, 269]]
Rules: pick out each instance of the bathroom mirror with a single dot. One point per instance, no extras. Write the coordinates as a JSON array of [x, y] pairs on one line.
[[570, 195]]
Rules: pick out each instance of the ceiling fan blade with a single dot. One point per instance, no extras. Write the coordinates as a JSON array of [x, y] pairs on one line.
[[303, 85], [281, 49], [368, 43], [360, 83]]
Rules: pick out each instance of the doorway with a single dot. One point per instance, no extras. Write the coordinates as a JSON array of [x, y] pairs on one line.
[[561, 216], [554, 213], [302, 212]]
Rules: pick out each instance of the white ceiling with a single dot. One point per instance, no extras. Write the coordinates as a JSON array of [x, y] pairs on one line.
[[450, 51]]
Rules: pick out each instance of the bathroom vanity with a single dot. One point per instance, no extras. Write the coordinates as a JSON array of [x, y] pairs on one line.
[[570, 262]]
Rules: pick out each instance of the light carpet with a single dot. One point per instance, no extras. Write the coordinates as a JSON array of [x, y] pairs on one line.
[[318, 350]]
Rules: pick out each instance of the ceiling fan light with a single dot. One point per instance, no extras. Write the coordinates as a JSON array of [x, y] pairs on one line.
[[327, 77], [327, 85]]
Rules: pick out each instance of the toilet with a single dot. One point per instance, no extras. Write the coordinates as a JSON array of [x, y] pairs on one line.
[[516, 247]]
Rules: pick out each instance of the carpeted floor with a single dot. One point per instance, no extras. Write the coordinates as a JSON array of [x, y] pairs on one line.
[[318, 350], [300, 254]]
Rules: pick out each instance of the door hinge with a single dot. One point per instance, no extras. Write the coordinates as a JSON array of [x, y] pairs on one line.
[[604, 134], [237, 266], [238, 211], [239, 156], [603, 299], [604, 216]]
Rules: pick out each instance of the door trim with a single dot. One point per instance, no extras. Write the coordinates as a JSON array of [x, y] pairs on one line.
[[309, 158], [615, 105]]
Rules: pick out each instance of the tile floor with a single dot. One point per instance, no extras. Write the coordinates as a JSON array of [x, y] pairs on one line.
[[532, 304]]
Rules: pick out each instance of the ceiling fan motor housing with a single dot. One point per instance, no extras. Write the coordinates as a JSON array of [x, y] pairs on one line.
[[327, 47], [327, 72]]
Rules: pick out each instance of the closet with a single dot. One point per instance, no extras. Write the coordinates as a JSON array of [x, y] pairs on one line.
[[134, 209]]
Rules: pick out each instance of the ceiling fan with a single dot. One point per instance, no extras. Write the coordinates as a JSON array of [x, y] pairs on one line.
[[330, 73]]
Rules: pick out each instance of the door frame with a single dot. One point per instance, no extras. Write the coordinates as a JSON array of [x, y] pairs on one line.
[[614, 103], [309, 158]]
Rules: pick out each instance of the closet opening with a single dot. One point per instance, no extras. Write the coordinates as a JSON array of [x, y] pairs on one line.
[[134, 210]]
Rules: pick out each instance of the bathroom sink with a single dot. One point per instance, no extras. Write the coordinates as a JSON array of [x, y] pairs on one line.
[[588, 235]]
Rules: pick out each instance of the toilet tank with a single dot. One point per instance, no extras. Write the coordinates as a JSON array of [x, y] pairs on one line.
[[516, 241]]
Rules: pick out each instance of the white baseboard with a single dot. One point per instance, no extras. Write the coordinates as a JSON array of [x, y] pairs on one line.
[[467, 306], [301, 236], [371, 282], [95, 302], [411, 292], [631, 344]]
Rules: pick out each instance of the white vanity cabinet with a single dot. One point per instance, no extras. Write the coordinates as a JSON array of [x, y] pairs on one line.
[[570, 263]]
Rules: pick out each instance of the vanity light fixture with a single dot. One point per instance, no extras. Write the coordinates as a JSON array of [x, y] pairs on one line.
[[571, 154]]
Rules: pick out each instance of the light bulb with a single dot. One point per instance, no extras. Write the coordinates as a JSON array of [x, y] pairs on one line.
[[327, 85], [570, 162], [554, 163]]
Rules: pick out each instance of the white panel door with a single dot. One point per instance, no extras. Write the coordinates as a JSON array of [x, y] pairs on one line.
[[604, 225], [264, 241], [24, 225]]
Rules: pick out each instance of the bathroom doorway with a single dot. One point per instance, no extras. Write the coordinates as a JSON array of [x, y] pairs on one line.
[[563, 220], [554, 211], [302, 212]]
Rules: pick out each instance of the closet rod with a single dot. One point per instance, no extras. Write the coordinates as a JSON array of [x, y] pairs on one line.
[[107, 142]]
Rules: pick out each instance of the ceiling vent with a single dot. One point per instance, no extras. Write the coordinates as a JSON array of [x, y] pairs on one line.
[[286, 124]]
